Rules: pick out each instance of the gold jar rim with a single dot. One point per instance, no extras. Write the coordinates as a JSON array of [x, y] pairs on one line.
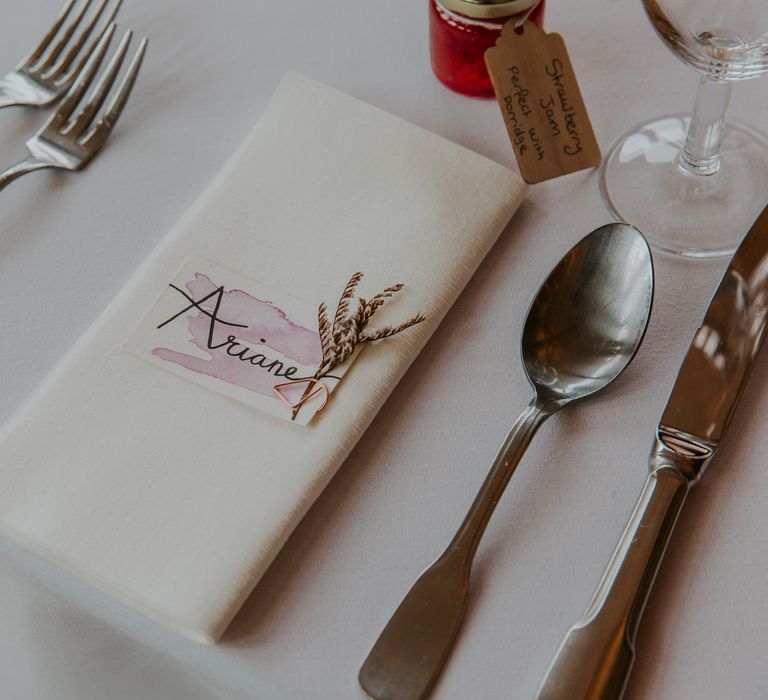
[[488, 9]]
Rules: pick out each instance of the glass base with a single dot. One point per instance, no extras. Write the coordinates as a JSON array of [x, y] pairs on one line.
[[699, 216]]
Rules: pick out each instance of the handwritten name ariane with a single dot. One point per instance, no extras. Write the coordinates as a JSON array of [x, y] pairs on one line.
[[231, 346]]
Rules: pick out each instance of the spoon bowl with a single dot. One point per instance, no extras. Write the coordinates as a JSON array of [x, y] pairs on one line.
[[582, 330], [589, 317]]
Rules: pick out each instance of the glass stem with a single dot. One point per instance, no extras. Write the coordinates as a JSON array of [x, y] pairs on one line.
[[701, 153]]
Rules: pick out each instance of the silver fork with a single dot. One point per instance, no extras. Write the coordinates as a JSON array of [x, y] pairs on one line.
[[50, 70], [67, 140]]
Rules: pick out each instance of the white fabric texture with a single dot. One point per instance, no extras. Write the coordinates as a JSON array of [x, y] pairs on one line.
[[69, 243], [175, 498]]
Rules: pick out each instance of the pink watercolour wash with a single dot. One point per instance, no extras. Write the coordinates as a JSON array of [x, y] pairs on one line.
[[233, 335], [266, 328]]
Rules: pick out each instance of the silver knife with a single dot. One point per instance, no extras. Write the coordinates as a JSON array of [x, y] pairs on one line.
[[596, 655]]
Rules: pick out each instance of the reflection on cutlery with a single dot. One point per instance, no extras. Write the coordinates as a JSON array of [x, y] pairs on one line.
[[583, 329], [50, 70], [596, 656], [67, 140]]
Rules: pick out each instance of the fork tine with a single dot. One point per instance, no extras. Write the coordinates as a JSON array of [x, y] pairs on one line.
[[46, 40], [99, 133], [100, 92], [76, 92], [65, 62], [58, 47]]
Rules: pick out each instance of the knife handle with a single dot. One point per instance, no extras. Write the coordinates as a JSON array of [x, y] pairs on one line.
[[596, 655]]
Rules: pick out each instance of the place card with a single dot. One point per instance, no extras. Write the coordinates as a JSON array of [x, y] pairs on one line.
[[541, 103], [237, 337]]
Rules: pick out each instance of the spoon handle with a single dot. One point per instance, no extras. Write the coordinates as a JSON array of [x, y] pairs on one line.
[[409, 654], [596, 655]]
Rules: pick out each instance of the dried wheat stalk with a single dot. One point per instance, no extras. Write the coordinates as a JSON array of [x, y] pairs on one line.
[[349, 328], [340, 339]]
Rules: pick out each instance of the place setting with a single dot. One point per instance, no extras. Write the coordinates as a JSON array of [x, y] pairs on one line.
[[172, 459]]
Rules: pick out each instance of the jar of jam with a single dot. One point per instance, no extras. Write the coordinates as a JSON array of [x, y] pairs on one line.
[[460, 32]]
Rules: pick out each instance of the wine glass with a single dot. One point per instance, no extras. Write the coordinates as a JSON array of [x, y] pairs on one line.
[[693, 184]]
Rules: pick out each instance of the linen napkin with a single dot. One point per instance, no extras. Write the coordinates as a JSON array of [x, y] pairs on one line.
[[168, 489]]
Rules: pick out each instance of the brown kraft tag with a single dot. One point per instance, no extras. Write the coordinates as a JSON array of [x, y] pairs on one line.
[[541, 103]]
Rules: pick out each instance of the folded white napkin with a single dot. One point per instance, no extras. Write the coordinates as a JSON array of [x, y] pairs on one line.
[[175, 497]]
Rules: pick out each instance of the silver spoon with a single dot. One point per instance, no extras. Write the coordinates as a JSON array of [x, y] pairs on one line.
[[583, 328]]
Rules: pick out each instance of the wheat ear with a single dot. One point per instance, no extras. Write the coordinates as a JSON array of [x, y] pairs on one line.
[[389, 331], [338, 340]]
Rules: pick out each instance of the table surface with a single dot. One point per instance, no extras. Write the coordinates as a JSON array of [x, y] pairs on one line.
[[68, 243]]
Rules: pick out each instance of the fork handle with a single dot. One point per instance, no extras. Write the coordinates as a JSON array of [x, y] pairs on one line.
[[596, 656], [22, 168]]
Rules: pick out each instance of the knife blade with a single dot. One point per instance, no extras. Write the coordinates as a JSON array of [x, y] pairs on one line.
[[596, 656], [718, 363]]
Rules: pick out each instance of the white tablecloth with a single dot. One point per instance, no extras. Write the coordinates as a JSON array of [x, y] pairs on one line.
[[68, 243]]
